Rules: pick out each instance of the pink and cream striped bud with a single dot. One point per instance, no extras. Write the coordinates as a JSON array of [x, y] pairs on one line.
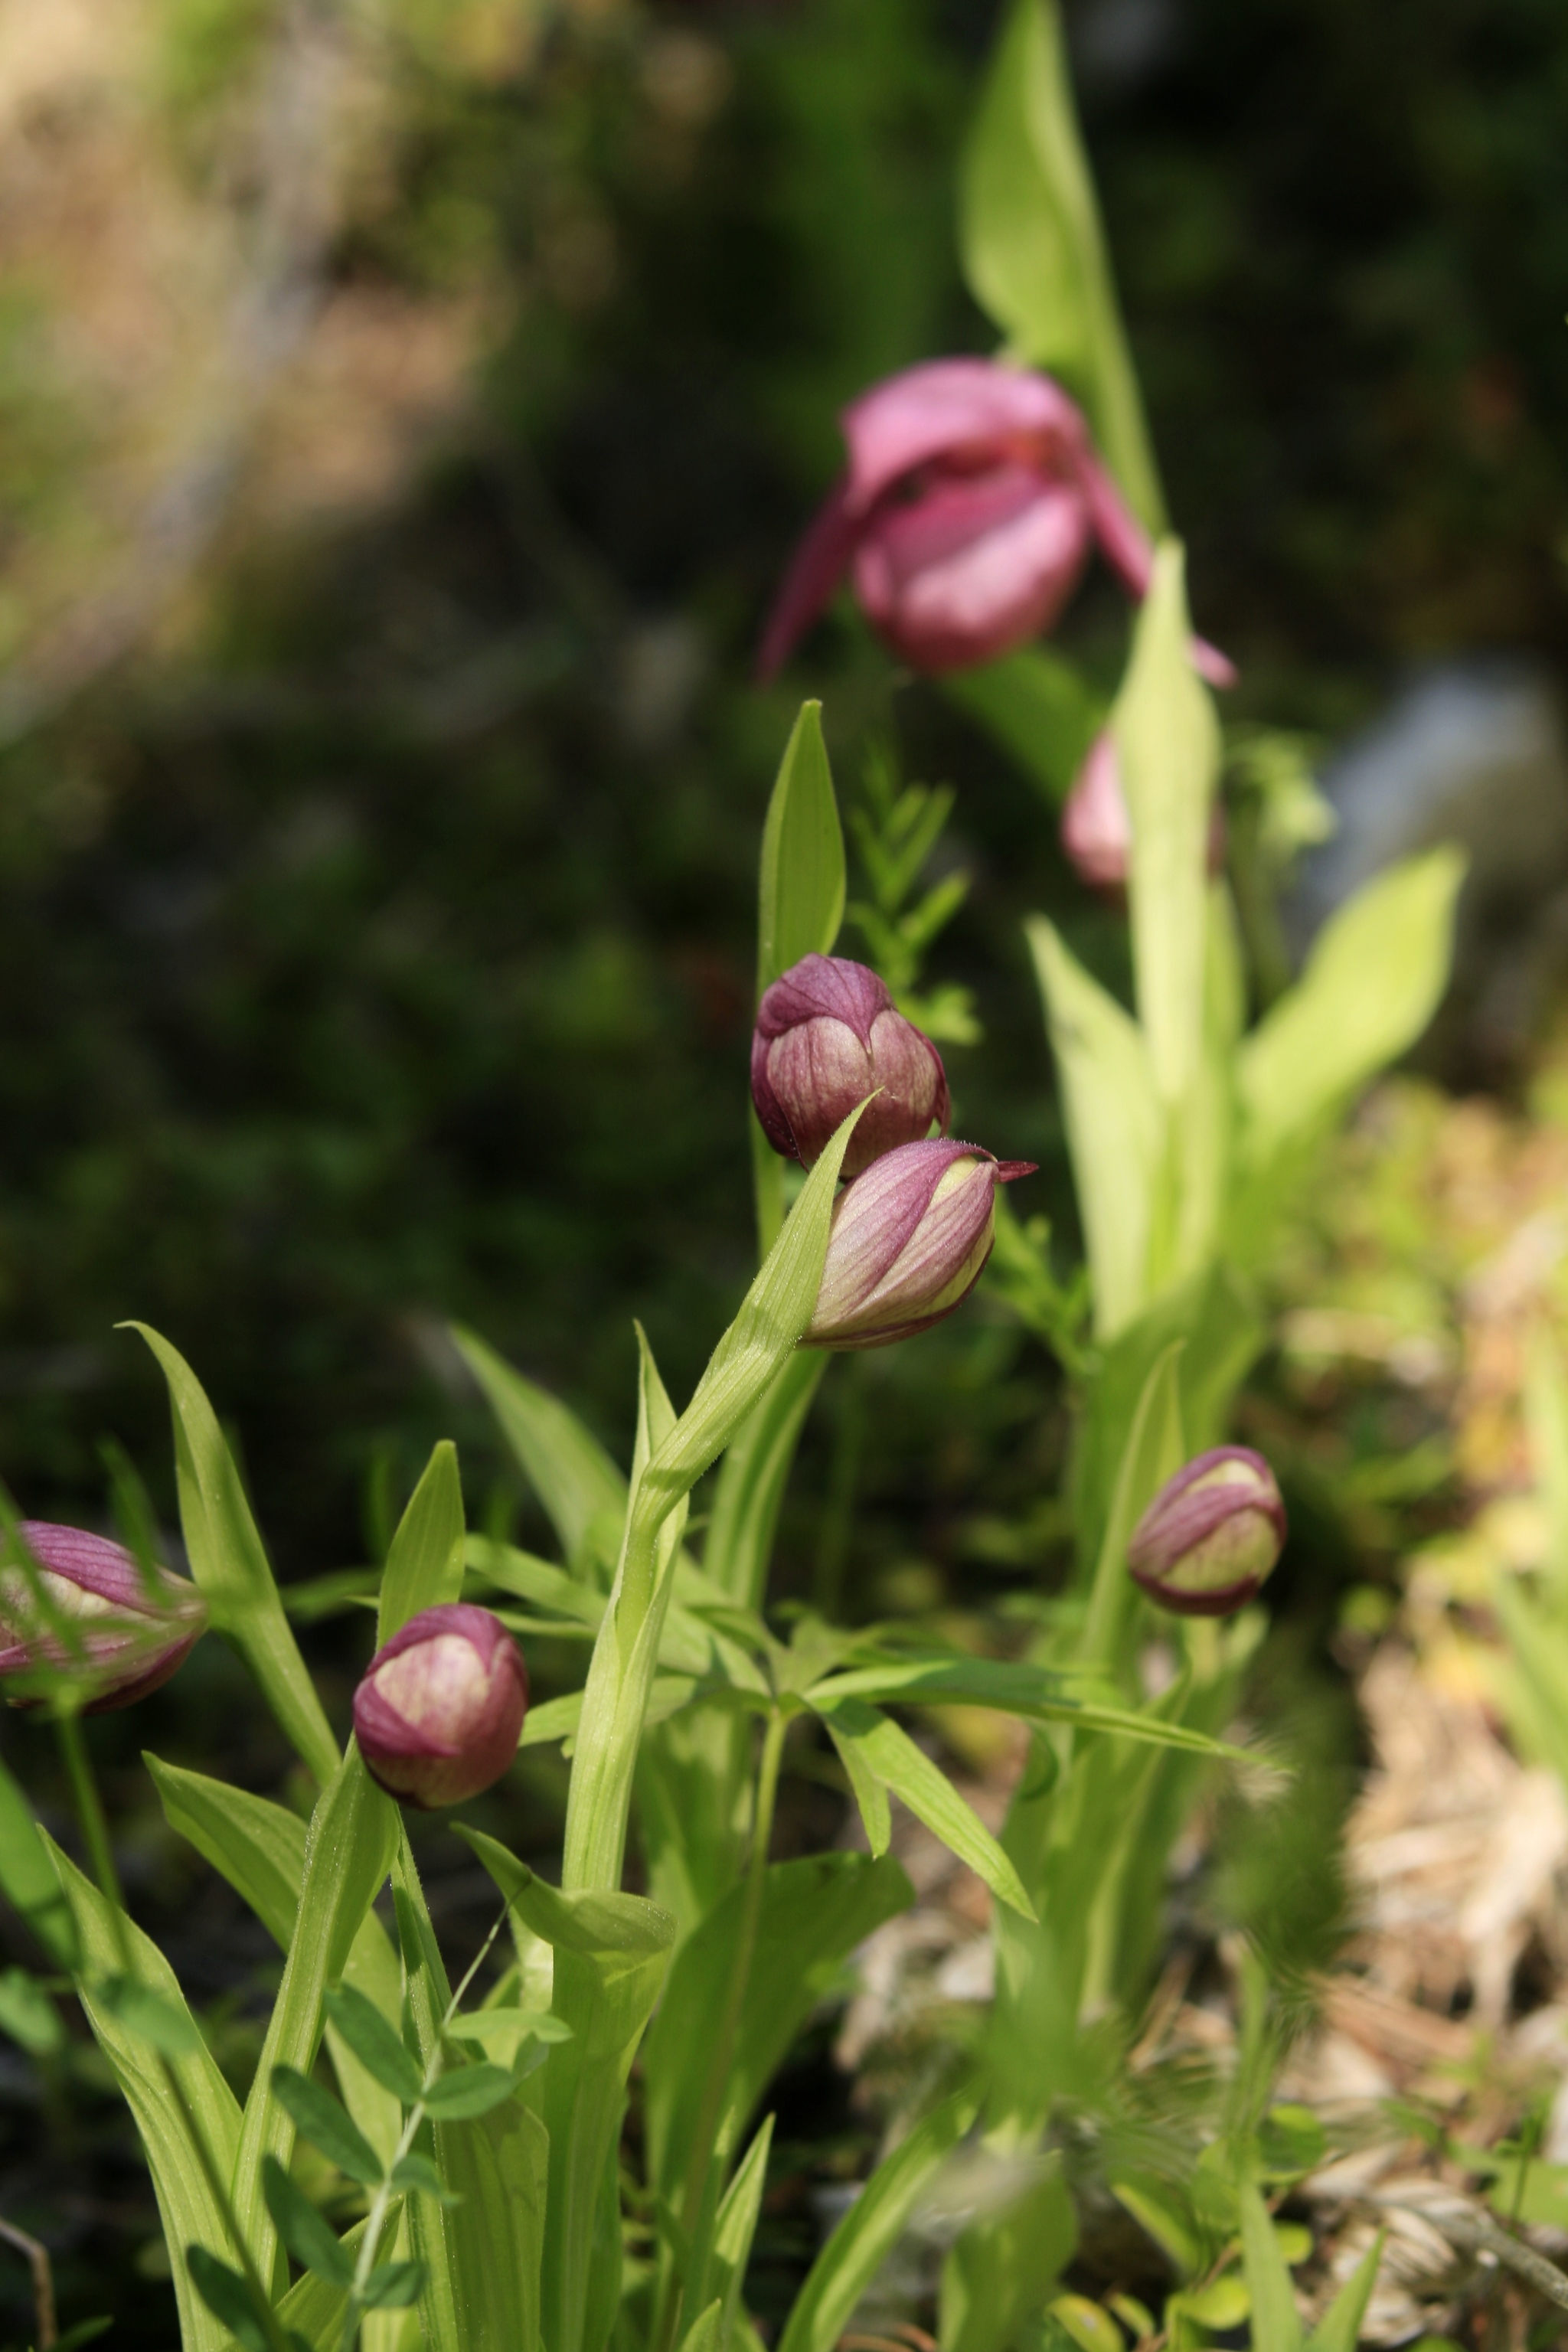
[[1211, 1536], [909, 1241], [127, 1628], [827, 1035], [440, 1708]]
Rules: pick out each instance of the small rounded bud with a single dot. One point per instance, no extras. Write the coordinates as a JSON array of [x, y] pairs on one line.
[[908, 1243], [133, 1626], [827, 1035], [1211, 1536], [1097, 831], [440, 1711]]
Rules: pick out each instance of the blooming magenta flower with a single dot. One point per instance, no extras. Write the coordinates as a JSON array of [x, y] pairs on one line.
[[909, 1240], [132, 1627], [973, 497], [440, 1711], [827, 1033], [1096, 830], [1211, 1535]]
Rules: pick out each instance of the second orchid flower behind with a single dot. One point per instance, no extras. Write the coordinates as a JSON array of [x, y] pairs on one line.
[[973, 498]]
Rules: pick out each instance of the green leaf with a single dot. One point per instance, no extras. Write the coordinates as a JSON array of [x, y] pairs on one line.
[[892, 1758], [86, 2331], [1167, 747], [773, 1318], [1039, 707], [612, 1952], [801, 887], [734, 2229], [1113, 1123], [482, 2245], [166, 2024], [28, 1879], [425, 1565], [1275, 2325], [229, 1563], [417, 2173], [567, 1467], [1225, 2302], [186, 2207], [1089, 2324], [1546, 1421], [29, 2015], [706, 2333], [533, 1580], [228, 2298], [868, 2231], [1033, 248], [871, 1796], [303, 2228], [1011, 1685], [1374, 980], [348, 1851], [1157, 2209], [751, 1485], [392, 2286], [467, 2091], [374, 2044], [326, 2124], [314, 2308], [1005, 2263], [505, 2034], [1338, 2330], [815, 1914], [259, 1848], [1153, 1453]]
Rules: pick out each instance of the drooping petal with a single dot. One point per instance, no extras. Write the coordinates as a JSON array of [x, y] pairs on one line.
[[952, 409], [974, 567], [817, 565]]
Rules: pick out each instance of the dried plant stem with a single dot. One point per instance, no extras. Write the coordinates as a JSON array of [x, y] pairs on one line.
[[37, 2259]]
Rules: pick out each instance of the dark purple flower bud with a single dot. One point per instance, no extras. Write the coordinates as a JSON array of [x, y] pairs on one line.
[[909, 1240], [133, 1626], [827, 1035], [439, 1712], [1211, 1535]]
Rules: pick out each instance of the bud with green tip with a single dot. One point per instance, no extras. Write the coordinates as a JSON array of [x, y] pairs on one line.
[[87, 1609], [1211, 1536], [827, 1035], [908, 1243], [440, 1709]]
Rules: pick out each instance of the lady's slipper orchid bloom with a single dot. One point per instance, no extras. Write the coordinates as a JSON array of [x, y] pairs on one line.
[[908, 1243], [440, 1711], [973, 497], [1211, 1536], [133, 1625], [827, 1035], [1096, 830]]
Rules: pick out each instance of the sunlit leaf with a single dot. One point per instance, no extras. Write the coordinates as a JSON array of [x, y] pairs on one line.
[[425, 1565]]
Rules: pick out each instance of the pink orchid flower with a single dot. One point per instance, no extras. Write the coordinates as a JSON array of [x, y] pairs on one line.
[[972, 500]]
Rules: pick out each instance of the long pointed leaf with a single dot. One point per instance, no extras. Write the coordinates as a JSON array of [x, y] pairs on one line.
[[229, 1563], [1275, 2326], [425, 1565], [1338, 2330], [892, 1756], [734, 2229], [567, 1467]]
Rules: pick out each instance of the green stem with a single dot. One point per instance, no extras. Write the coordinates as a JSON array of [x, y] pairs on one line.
[[706, 2152], [95, 1833]]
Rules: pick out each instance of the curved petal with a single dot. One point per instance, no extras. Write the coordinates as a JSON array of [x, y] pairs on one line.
[[974, 567], [815, 568], [951, 408]]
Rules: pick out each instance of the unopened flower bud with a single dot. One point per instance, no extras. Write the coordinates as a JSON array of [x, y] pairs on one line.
[[1211, 1535], [1097, 831], [440, 1711], [909, 1240], [827, 1035], [128, 1628]]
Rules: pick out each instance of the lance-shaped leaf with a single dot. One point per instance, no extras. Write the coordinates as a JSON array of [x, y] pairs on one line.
[[304, 2228], [759, 1342], [425, 1565], [348, 1852], [869, 2231], [229, 1563], [188, 2210], [1113, 1123], [314, 2308], [567, 1467], [1167, 748], [734, 2229], [1338, 2330], [482, 2246], [891, 1756], [1034, 252], [28, 1877], [750, 1487], [612, 1952], [815, 1913], [1012, 1686], [259, 1848]]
